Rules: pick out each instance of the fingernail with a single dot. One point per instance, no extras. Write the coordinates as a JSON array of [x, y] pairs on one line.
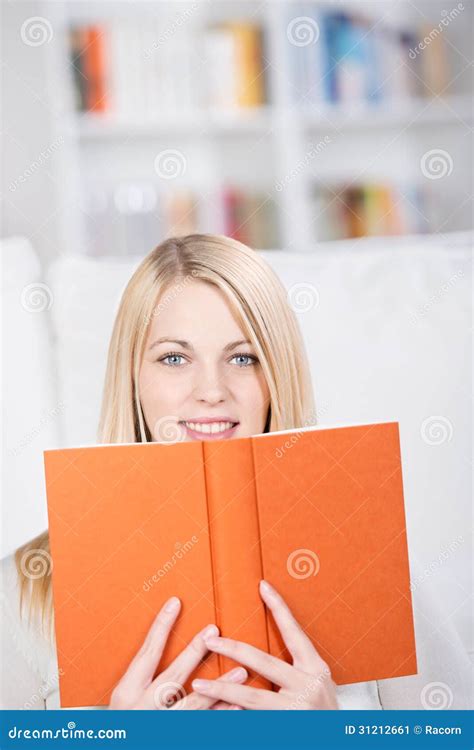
[[212, 641], [237, 674], [265, 587], [201, 685], [209, 631], [236, 708], [172, 605]]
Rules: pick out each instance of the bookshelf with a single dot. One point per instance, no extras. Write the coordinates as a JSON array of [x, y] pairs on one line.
[[288, 168]]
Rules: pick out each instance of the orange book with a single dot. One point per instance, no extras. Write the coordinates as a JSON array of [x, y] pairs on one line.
[[318, 512], [94, 64]]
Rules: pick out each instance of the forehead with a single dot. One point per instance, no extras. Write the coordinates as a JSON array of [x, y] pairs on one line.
[[194, 311]]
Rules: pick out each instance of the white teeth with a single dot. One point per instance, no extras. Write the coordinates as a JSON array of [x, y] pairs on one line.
[[209, 427]]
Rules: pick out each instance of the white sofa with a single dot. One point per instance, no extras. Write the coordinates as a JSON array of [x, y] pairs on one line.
[[388, 338]]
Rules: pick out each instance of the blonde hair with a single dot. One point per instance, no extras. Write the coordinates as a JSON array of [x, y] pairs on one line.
[[260, 303]]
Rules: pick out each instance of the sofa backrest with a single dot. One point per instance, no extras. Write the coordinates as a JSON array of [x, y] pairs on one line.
[[387, 330]]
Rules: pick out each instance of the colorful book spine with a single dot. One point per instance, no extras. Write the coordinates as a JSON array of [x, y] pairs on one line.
[[434, 65], [355, 61], [250, 83], [235, 69], [77, 43], [368, 210], [94, 67]]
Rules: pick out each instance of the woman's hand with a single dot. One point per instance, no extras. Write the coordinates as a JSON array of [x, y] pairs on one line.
[[306, 684], [138, 690]]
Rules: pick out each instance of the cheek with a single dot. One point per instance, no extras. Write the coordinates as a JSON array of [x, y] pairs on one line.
[[253, 394], [158, 390]]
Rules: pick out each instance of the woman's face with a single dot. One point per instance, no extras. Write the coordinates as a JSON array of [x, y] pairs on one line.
[[200, 378]]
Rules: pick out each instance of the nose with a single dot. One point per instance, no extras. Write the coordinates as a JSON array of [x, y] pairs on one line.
[[209, 385]]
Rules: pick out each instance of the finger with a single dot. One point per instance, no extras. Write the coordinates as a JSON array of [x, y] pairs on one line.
[[305, 656], [189, 658], [200, 702], [275, 670], [143, 666], [241, 695]]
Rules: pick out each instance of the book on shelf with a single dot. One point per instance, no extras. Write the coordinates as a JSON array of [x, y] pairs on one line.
[[349, 58], [128, 218], [136, 70], [434, 62], [250, 217], [368, 210], [133, 70], [317, 511], [88, 62], [236, 77]]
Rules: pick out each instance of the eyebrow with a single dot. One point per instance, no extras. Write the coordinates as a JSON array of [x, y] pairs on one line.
[[187, 345]]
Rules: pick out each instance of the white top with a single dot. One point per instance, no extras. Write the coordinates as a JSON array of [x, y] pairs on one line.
[[30, 680]]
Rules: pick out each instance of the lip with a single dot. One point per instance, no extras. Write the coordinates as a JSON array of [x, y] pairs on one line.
[[194, 435], [206, 420]]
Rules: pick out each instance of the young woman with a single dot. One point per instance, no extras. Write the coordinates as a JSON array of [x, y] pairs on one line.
[[204, 346]]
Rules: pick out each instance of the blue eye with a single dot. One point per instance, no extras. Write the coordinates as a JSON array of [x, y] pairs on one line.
[[175, 359], [253, 359], [171, 355]]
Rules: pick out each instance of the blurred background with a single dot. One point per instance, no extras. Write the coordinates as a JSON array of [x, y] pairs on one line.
[[280, 123], [333, 137]]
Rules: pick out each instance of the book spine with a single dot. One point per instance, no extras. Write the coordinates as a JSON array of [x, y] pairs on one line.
[[251, 67], [77, 44], [433, 63], [220, 53], [95, 70], [332, 34], [235, 546]]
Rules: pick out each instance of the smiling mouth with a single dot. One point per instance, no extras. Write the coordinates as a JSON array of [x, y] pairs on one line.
[[209, 428]]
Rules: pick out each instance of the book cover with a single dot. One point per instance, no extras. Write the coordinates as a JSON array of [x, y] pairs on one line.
[[318, 512]]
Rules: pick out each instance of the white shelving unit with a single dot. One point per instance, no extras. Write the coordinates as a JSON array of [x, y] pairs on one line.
[[262, 147]]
